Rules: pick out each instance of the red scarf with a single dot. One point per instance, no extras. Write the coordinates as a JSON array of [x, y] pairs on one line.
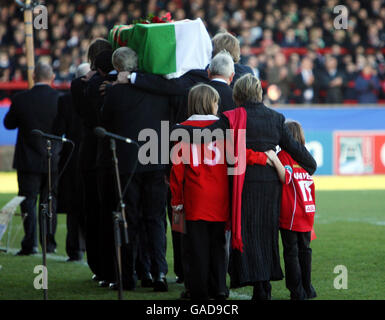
[[237, 119]]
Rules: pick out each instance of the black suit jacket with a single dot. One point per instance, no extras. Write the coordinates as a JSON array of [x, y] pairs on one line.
[[177, 89], [226, 101], [126, 111], [239, 71], [68, 122], [33, 109], [88, 102]]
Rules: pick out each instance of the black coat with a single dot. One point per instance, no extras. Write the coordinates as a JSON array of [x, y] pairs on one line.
[[127, 110], [226, 101], [68, 122], [33, 109]]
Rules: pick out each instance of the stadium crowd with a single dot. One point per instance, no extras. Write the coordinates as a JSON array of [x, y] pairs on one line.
[[291, 45]]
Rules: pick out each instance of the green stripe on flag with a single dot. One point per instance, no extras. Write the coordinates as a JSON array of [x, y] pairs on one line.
[[155, 45]]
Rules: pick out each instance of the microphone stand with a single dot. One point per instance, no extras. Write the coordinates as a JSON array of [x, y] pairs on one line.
[[46, 215], [119, 223]]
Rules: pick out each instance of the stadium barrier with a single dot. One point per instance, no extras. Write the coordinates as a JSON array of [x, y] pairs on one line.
[[345, 140]]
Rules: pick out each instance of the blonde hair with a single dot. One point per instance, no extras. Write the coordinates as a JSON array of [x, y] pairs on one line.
[[296, 130], [247, 88], [201, 99], [226, 41]]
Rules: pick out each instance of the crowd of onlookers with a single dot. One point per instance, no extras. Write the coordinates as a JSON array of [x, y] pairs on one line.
[[293, 46]]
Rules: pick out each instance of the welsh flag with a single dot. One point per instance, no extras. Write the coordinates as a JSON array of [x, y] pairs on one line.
[[169, 49]]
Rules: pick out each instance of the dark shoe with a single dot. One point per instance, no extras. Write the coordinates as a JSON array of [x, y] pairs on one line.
[[179, 280], [126, 287], [73, 259], [185, 294], [95, 278], [310, 293], [160, 283], [23, 252], [147, 281], [51, 250], [103, 283]]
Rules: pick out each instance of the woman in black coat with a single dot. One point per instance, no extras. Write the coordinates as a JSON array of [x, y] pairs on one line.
[[259, 262]]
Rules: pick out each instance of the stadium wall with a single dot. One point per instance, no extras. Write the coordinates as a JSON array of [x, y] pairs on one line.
[[343, 140]]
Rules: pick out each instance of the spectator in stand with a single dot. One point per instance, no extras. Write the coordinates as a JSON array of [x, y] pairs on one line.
[[367, 85], [257, 24], [290, 40], [332, 81], [305, 82], [278, 74]]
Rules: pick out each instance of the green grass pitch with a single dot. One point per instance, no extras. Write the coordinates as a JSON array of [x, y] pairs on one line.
[[350, 231]]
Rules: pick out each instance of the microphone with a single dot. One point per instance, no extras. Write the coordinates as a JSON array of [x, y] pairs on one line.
[[40, 133], [101, 133]]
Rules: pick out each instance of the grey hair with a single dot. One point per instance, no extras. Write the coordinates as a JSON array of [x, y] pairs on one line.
[[222, 64], [43, 71], [247, 88], [124, 59], [82, 69]]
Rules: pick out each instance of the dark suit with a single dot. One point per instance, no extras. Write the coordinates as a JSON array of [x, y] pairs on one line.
[[225, 92], [239, 71], [333, 94], [88, 102], [177, 89], [70, 198], [34, 109], [127, 111]]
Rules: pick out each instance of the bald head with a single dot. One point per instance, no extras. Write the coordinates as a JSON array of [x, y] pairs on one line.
[[43, 72]]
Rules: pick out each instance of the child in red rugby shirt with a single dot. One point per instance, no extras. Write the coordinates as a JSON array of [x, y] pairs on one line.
[[296, 219], [200, 187]]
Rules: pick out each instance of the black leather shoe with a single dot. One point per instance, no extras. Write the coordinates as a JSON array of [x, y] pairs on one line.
[[103, 283], [73, 259], [185, 294], [23, 252], [147, 281], [179, 280], [95, 278], [160, 283], [126, 287]]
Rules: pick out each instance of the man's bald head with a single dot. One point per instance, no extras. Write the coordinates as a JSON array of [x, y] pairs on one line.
[[43, 72]]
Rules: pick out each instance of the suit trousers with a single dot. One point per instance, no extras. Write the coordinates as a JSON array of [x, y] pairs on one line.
[[30, 186], [146, 204], [91, 207], [297, 257], [206, 245]]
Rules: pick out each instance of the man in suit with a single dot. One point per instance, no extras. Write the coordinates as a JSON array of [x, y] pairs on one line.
[[226, 41], [221, 73], [84, 107], [35, 109], [127, 111], [70, 197], [332, 80], [306, 83]]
